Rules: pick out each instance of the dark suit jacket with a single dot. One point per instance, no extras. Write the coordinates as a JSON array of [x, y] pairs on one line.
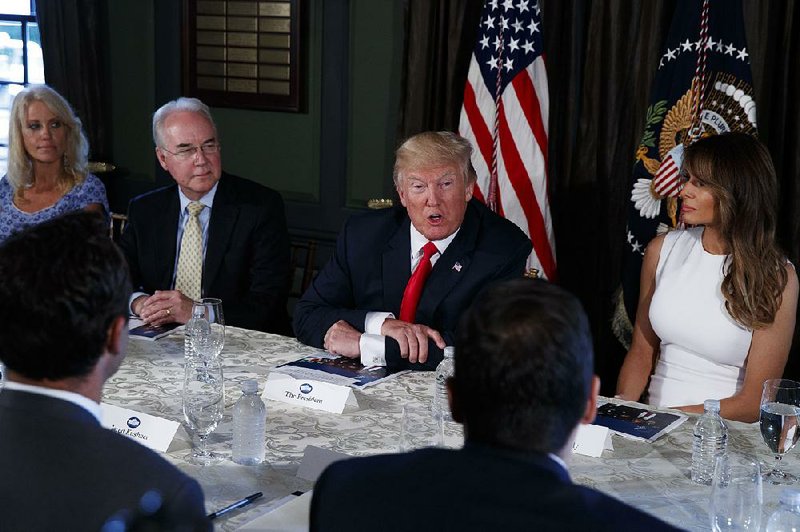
[[475, 488], [247, 254], [372, 264], [60, 470]]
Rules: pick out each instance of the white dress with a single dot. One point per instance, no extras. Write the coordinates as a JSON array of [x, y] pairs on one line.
[[703, 350]]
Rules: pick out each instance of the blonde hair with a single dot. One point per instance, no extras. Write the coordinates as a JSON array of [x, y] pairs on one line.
[[76, 153], [434, 148], [738, 171]]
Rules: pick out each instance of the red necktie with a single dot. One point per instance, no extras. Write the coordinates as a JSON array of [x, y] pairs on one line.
[[408, 308]]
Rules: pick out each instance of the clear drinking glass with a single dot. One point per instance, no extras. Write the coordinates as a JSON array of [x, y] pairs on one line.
[[209, 346], [420, 427], [203, 403], [736, 493], [780, 403]]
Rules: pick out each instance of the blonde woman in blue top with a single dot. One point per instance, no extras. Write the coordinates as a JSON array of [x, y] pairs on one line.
[[47, 163]]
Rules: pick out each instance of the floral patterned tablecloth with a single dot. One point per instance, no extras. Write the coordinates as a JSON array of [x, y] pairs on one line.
[[654, 477]]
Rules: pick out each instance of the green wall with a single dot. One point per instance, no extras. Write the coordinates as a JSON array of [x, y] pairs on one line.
[[132, 65], [281, 150], [376, 41]]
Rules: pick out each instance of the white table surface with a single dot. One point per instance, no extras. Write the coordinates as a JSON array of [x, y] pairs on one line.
[[653, 477]]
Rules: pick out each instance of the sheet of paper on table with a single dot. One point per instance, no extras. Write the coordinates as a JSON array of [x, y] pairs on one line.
[[336, 369], [592, 440], [322, 381], [637, 423], [151, 431], [138, 330], [289, 514], [309, 393]]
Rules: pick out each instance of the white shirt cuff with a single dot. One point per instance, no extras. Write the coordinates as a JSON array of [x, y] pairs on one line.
[[373, 349], [374, 321], [132, 299]]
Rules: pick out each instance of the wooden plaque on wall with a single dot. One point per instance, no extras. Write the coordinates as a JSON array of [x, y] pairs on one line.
[[244, 53]]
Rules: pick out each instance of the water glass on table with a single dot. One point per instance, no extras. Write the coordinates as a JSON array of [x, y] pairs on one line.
[[420, 427], [203, 403], [736, 493], [205, 331], [780, 404]]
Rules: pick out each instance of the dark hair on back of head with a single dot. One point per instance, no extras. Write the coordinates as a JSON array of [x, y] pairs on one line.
[[524, 366], [63, 283]]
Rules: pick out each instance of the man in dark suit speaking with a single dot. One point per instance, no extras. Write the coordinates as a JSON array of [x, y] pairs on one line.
[[212, 234], [400, 278], [523, 382], [64, 330]]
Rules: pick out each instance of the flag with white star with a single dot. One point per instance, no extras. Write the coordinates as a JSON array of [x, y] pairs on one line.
[[676, 116], [504, 116]]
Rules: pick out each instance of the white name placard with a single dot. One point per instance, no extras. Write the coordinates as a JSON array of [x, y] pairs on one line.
[[309, 393], [151, 431], [591, 440]]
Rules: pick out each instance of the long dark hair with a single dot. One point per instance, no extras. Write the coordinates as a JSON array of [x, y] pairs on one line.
[[738, 170]]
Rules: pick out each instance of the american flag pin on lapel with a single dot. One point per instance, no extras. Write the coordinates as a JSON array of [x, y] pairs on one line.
[[457, 266]]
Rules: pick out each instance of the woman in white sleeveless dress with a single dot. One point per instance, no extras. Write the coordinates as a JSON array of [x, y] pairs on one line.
[[717, 302]]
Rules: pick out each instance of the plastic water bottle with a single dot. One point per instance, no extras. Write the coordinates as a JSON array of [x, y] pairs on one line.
[[710, 442], [787, 517], [249, 425], [196, 331], [444, 371]]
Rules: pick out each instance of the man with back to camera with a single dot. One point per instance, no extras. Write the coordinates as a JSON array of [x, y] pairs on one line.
[[523, 383], [399, 278], [211, 234], [64, 312]]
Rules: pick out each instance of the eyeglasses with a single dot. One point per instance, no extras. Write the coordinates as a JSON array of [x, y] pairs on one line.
[[184, 154]]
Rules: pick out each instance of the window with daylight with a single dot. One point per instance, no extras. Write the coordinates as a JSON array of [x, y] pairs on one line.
[[244, 53], [20, 60]]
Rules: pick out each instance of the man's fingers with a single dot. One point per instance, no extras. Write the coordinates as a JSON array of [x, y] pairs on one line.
[[434, 335], [403, 342], [413, 345], [423, 346]]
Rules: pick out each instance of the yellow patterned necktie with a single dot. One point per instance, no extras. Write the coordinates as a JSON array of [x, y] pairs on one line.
[[190, 261]]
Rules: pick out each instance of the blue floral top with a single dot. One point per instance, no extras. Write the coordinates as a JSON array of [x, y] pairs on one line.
[[12, 219]]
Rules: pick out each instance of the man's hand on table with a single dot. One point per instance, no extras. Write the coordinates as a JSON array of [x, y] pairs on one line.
[[165, 306], [413, 338], [343, 339]]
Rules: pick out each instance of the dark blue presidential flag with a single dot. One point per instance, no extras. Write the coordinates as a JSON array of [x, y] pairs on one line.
[[703, 87]]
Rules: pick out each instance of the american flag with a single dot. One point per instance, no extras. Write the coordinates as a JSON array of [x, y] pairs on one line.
[[505, 115]]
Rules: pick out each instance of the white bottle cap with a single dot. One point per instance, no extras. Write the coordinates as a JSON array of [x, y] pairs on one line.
[[711, 405], [449, 351], [790, 497], [250, 386]]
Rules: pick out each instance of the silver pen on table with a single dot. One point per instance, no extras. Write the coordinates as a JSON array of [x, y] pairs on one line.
[[238, 504]]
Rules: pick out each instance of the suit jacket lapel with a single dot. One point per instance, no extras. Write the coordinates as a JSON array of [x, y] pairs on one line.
[[224, 213], [165, 238], [451, 267], [396, 267]]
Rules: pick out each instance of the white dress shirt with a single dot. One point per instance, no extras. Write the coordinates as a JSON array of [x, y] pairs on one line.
[[372, 342], [204, 217], [75, 398]]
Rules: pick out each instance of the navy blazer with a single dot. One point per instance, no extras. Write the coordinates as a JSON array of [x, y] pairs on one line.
[[247, 252], [475, 488], [60, 470], [372, 264]]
